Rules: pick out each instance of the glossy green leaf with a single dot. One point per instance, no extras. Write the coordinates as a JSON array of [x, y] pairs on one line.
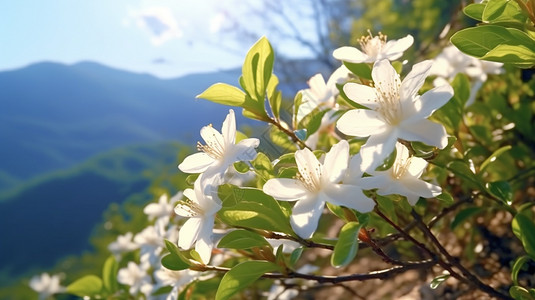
[[274, 96], [517, 266], [474, 11], [446, 198], [347, 246], [387, 206], [242, 276], [501, 190], [242, 239], [87, 286], [257, 69], [520, 293], [295, 255], [241, 167], [109, 274], [462, 169], [312, 121], [496, 43], [225, 94], [526, 227], [500, 11], [173, 249], [262, 165], [493, 157], [255, 114], [362, 70], [464, 215], [252, 209], [173, 262], [281, 139], [438, 280]]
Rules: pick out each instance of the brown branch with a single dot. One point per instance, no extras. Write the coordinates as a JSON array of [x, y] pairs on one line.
[[472, 279], [381, 274], [288, 132]]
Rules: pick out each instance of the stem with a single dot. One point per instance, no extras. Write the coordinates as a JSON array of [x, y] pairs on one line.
[[454, 261], [289, 133], [304, 242], [524, 7], [381, 274]]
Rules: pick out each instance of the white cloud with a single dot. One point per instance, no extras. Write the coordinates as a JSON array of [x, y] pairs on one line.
[[160, 23], [216, 23]]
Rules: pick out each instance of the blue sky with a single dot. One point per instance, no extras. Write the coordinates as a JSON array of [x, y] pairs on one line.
[[162, 37]]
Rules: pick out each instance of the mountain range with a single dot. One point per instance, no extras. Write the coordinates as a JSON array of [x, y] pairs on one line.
[[53, 116]]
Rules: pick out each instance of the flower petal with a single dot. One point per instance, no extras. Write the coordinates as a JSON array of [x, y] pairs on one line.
[[305, 216], [204, 244], [336, 160], [212, 137], [350, 196], [385, 77], [424, 131], [417, 166], [285, 189], [350, 54], [415, 79], [362, 123], [245, 149], [361, 94], [228, 130], [420, 187], [379, 180], [308, 164], [196, 163], [432, 100], [394, 49], [377, 149], [189, 233], [354, 170]]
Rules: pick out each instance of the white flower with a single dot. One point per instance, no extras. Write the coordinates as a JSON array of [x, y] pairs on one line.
[[162, 209], [201, 208], [177, 279], [395, 111], [320, 93], [151, 242], [374, 48], [220, 150], [402, 178], [136, 277], [123, 244], [316, 184], [46, 285]]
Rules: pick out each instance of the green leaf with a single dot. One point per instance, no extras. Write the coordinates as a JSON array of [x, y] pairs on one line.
[[501, 190], [438, 280], [463, 215], [173, 262], [274, 96], [253, 209], [282, 140], [517, 266], [241, 167], [257, 69], [109, 274], [496, 43], [173, 249], [520, 293], [462, 170], [225, 94], [296, 254], [387, 207], [242, 276], [347, 246], [527, 233], [362, 70], [446, 198], [263, 167], [298, 100], [255, 114], [474, 11], [89, 286], [242, 239], [493, 157], [500, 11], [312, 121]]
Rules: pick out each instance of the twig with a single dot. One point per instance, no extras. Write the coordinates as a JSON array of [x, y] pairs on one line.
[[289, 133], [381, 274], [454, 261]]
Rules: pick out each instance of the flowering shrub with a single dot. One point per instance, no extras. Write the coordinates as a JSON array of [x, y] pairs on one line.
[[418, 162]]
